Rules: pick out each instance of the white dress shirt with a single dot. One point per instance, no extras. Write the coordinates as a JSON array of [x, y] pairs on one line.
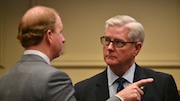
[[36, 52]]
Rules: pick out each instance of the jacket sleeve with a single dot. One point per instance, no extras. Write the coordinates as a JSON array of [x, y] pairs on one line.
[[59, 88], [171, 92], [114, 98]]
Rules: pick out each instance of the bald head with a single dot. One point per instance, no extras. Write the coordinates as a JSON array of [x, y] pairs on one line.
[[35, 22]]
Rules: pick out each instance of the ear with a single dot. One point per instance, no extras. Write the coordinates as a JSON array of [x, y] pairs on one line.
[[48, 36], [138, 46]]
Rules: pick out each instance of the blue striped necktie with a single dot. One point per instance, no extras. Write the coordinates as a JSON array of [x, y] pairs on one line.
[[120, 82]]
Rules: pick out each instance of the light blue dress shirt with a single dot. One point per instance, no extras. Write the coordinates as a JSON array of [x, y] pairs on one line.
[[129, 75]]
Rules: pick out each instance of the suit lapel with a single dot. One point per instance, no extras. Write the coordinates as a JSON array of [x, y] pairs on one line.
[[140, 74], [102, 91]]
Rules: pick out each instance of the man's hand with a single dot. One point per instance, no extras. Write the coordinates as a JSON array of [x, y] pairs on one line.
[[133, 92]]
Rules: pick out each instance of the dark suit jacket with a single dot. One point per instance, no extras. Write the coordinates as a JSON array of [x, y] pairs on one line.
[[33, 79], [96, 88]]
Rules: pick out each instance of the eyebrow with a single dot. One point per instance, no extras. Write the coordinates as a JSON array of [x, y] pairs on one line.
[[115, 39]]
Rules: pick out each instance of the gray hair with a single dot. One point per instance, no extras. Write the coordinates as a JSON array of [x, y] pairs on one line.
[[136, 29]]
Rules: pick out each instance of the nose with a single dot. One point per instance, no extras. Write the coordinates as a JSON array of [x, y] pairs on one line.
[[111, 46], [63, 39]]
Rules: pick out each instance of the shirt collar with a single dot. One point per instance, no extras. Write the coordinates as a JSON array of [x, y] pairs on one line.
[[129, 75], [36, 52]]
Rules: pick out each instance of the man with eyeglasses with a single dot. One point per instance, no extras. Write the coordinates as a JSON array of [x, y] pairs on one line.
[[123, 79]]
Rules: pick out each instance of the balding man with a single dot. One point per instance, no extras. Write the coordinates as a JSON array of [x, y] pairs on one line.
[[32, 78]]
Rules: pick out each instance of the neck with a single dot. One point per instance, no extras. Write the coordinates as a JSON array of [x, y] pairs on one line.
[[120, 70], [41, 49]]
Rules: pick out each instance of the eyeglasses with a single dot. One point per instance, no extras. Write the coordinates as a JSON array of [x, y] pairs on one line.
[[116, 42]]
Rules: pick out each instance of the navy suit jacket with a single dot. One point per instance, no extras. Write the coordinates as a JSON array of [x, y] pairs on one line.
[[96, 88]]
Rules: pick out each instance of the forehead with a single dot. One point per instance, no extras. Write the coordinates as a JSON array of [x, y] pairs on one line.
[[59, 23], [117, 31]]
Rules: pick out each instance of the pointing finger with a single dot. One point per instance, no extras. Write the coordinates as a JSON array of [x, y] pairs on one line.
[[142, 82]]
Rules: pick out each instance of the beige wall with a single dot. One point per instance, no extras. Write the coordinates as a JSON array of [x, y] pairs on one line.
[[84, 24]]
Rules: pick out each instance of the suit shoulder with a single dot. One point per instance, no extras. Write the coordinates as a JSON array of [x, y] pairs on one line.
[[90, 80], [151, 71], [157, 74]]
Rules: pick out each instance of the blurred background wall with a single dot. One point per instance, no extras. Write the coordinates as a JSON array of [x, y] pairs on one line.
[[83, 25]]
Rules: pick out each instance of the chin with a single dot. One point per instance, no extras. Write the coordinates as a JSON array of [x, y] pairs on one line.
[[111, 63], [56, 56]]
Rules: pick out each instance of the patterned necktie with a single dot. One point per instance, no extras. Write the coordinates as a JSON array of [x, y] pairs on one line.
[[120, 82]]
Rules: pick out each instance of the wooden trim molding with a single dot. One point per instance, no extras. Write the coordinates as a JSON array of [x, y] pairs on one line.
[[68, 60], [1, 30]]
